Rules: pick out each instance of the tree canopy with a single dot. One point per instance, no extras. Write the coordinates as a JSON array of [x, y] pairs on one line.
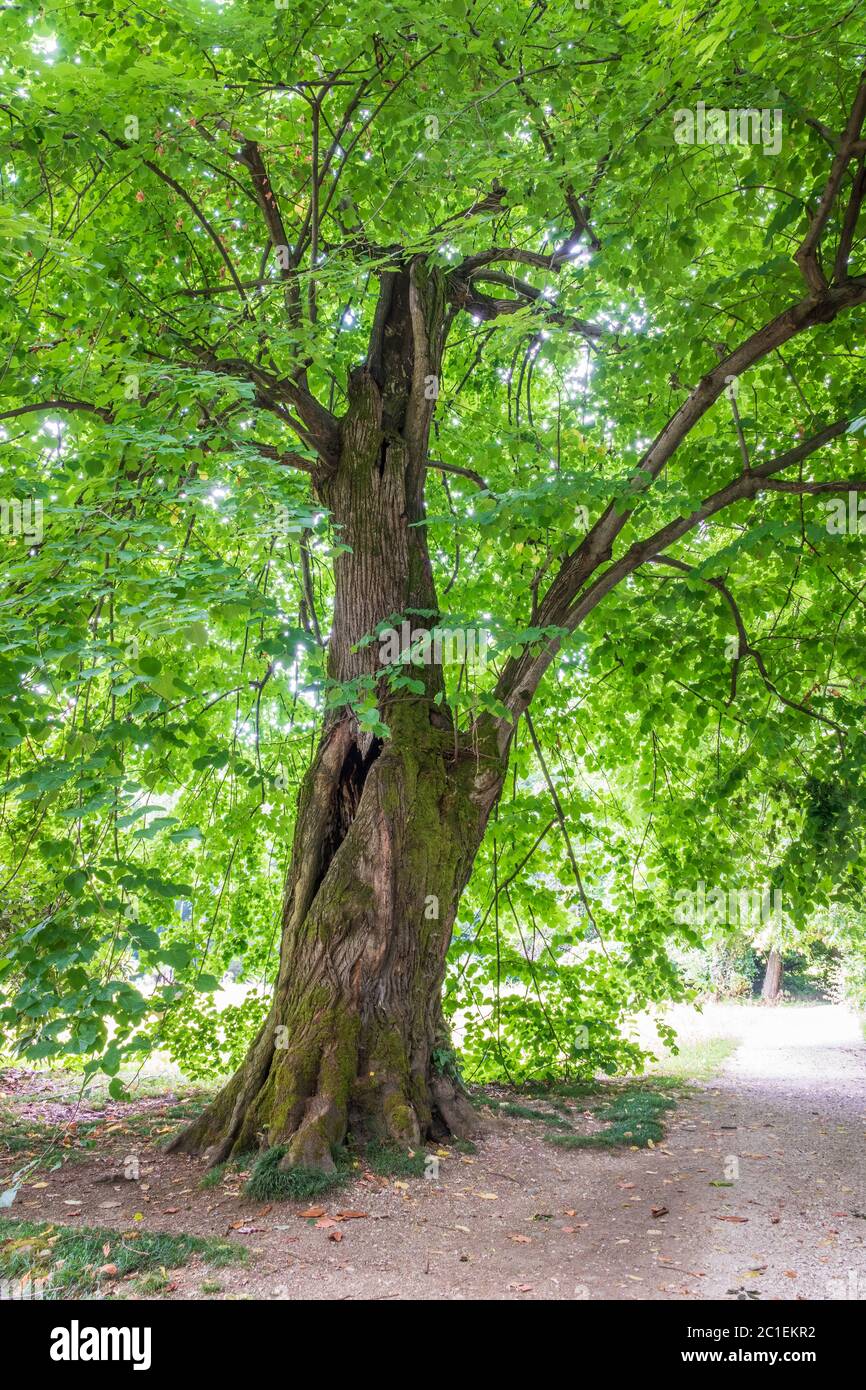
[[645, 457]]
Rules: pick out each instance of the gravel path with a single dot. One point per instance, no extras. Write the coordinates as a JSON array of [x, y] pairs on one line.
[[787, 1125]]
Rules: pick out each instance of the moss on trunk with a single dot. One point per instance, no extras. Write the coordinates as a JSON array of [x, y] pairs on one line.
[[385, 834]]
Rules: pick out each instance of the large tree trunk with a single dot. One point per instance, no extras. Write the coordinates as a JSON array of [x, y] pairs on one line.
[[386, 831], [772, 986]]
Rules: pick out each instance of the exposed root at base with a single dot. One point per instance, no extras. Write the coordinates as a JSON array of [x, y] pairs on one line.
[[223, 1129]]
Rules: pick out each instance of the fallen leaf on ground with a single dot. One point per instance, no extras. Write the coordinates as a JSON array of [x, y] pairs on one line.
[[732, 1218], [658, 1211], [312, 1212]]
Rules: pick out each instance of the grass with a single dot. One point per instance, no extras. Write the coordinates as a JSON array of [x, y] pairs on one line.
[[155, 1281], [37, 1146], [214, 1176], [526, 1112], [697, 1060], [633, 1119], [71, 1258], [389, 1160], [554, 1092], [464, 1146], [268, 1182]]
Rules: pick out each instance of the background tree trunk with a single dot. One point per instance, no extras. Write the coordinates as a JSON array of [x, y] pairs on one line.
[[772, 987], [386, 832]]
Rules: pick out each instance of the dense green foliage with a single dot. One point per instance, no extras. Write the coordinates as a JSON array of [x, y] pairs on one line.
[[161, 639]]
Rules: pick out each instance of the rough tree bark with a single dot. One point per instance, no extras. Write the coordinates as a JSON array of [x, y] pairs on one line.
[[386, 833], [772, 986]]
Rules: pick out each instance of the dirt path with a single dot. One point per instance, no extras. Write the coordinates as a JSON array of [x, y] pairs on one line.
[[790, 1111], [784, 1125]]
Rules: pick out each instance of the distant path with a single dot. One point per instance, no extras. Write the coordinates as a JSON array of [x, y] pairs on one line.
[[795, 1091]]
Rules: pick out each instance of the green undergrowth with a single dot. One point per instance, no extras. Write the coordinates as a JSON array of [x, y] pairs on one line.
[[634, 1119], [632, 1115], [390, 1160], [697, 1060], [556, 1092], [70, 1259], [268, 1182], [214, 1176], [516, 1111]]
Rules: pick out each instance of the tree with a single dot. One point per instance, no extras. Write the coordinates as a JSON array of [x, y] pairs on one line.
[[772, 986], [395, 253]]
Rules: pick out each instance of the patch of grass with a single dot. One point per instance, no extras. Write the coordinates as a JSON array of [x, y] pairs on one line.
[[71, 1257], [185, 1110], [268, 1183], [464, 1146], [214, 1176], [697, 1060], [211, 1286], [155, 1281], [41, 1143], [526, 1112], [634, 1119], [554, 1091], [389, 1160]]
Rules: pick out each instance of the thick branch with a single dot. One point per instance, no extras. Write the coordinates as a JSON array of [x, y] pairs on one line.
[[744, 646], [101, 410], [806, 255], [521, 676]]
